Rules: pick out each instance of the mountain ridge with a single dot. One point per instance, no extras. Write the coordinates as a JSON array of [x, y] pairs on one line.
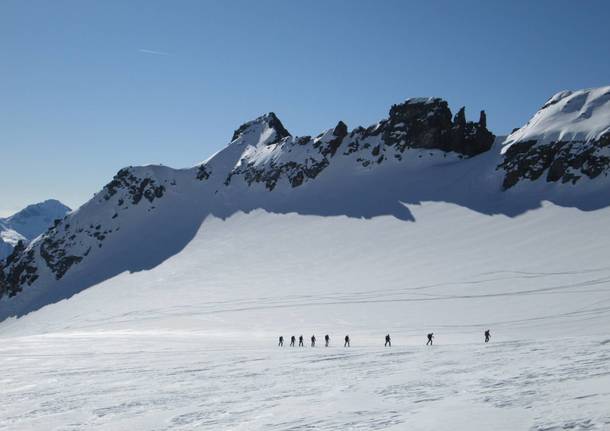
[[421, 152]]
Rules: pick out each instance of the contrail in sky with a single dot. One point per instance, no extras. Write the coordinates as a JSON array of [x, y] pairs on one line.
[[150, 51]]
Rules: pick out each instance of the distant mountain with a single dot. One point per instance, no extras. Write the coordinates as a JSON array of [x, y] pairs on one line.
[[420, 152], [8, 240], [28, 223]]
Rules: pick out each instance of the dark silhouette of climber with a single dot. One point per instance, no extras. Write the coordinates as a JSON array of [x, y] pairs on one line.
[[346, 344], [292, 340], [281, 341], [388, 341], [430, 338], [313, 341], [487, 335], [326, 340], [301, 341]]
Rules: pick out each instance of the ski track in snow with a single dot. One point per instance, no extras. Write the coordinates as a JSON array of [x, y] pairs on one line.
[[183, 383]]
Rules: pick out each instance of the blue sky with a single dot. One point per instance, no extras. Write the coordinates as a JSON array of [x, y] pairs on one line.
[[87, 87]]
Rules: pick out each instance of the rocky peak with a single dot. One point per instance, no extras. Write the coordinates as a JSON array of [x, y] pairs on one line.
[[427, 123], [432, 112], [460, 118], [47, 210], [340, 130], [483, 120], [28, 223], [266, 129]]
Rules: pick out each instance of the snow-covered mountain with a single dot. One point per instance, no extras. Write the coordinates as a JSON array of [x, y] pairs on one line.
[[419, 153], [157, 304], [262, 157], [28, 223], [568, 139]]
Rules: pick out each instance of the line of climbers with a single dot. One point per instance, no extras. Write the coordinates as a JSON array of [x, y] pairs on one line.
[[313, 341], [388, 340]]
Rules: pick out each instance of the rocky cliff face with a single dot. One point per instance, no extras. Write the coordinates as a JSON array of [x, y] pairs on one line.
[[427, 124], [558, 161]]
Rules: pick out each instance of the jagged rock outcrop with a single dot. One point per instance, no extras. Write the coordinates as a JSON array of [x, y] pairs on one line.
[[135, 187], [270, 153], [561, 161], [23, 270], [273, 154], [419, 124], [203, 173], [339, 132], [426, 123]]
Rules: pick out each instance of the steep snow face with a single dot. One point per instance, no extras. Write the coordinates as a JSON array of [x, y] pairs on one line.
[[567, 139], [28, 223]]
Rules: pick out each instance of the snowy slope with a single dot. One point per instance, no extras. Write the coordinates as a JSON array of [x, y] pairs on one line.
[[157, 305], [28, 223], [451, 269], [190, 344], [582, 115]]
